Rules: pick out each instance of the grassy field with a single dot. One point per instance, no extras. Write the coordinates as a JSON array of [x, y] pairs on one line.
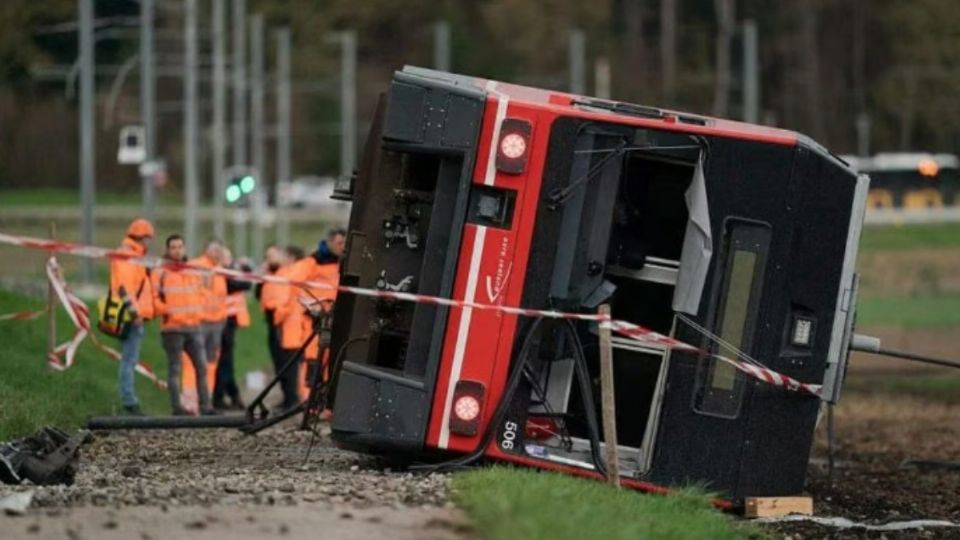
[[70, 197], [910, 312], [33, 395], [897, 237], [523, 504]]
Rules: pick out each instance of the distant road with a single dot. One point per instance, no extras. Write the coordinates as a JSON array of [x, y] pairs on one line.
[[900, 216]]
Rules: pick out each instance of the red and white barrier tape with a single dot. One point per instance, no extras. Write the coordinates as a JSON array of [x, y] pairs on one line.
[[62, 356], [644, 335], [760, 373], [22, 315]]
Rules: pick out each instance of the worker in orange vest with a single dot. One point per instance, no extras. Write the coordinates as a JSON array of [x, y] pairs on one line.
[[288, 318], [237, 317], [179, 301], [326, 271], [131, 283], [214, 316], [274, 258]]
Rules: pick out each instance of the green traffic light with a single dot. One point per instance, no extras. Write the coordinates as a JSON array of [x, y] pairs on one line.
[[233, 193], [247, 184]]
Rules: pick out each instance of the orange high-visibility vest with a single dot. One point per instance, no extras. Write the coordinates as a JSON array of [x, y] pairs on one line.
[[237, 307], [289, 313], [329, 274], [177, 298], [133, 279], [214, 291]]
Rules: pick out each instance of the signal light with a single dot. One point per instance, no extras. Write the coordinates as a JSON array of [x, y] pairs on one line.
[[248, 184], [466, 408], [513, 145], [239, 187], [233, 193]]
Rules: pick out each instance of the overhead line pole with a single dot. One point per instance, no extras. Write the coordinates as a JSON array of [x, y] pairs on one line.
[[348, 103], [283, 131], [578, 54], [190, 123], [87, 133], [219, 115], [441, 46], [147, 101], [751, 73], [239, 29], [259, 196]]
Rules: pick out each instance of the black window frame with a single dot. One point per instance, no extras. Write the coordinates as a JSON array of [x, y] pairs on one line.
[[740, 235]]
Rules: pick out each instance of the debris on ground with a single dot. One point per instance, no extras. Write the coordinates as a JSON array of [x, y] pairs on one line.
[[47, 457], [226, 467], [16, 504]]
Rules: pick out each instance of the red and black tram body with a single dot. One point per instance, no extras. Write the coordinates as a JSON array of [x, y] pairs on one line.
[[705, 229]]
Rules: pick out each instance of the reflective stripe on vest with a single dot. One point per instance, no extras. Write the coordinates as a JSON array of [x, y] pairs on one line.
[[184, 309]]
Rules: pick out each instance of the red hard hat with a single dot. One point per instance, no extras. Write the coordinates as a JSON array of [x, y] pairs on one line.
[[140, 228]]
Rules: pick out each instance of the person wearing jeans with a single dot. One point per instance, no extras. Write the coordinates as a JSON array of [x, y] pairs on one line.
[[178, 299], [130, 282], [175, 343], [129, 357]]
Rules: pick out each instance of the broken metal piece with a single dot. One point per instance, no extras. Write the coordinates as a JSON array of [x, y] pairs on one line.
[[47, 457]]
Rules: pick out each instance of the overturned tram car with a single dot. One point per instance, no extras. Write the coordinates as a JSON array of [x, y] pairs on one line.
[[727, 236]]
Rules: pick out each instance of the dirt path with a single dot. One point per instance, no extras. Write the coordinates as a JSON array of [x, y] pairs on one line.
[[222, 484], [875, 435], [237, 523]]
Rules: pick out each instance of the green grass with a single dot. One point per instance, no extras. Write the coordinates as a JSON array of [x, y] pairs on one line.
[[910, 312], [33, 395], [914, 236], [506, 503], [70, 197]]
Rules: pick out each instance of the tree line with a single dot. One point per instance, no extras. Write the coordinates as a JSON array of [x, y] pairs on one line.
[[824, 65]]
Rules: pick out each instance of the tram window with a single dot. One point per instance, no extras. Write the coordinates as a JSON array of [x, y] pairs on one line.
[[734, 317]]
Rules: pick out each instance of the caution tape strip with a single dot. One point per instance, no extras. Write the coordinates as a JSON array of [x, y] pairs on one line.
[[22, 315], [636, 332], [62, 356]]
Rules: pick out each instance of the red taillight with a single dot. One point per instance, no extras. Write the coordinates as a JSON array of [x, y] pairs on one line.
[[466, 408], [513, 146]]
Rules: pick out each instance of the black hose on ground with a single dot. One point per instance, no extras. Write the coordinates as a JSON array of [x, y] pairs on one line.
[[583, 376], [513, 382]]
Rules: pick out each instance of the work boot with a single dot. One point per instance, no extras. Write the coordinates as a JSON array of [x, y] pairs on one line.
[[133, 410]]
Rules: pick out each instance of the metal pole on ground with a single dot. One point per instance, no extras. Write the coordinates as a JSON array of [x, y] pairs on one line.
[[219, 115], [190, 123], [607, 399], [87, 134], [51, 303], [283, 131], [259, 196], [147, 101]]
